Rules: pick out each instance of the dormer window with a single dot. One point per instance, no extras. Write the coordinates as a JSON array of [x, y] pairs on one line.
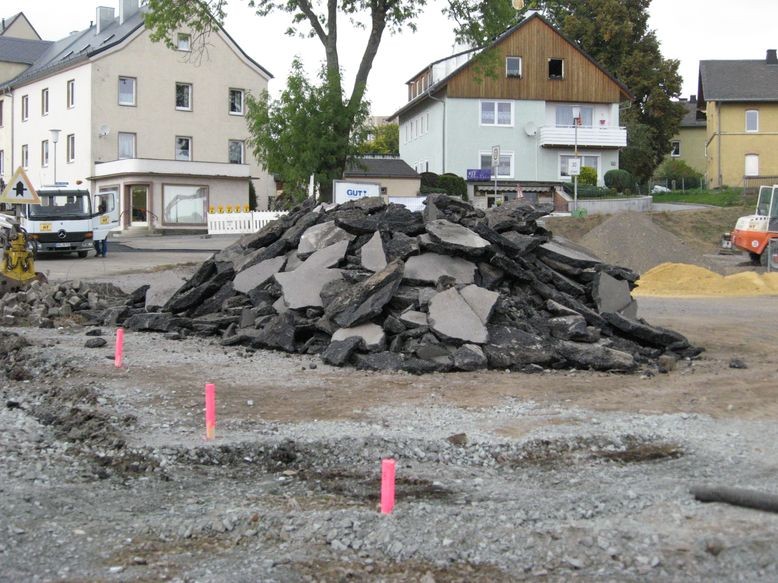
[[513, 67], [556, 68]]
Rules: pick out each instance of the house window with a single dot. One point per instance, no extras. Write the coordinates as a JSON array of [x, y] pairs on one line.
[[127, 143], [513, 67], [44, 102], [556, 68], [235, 151], [185, 205], [25, 156], [44, 153], [505, 166], [236, 101], [2, 162], [25, 107], [752, 120], [126, 91], [71, 147], [675, 148], [183, 42], [496, 113], [183, 148], [2, 107], [184, 96], [586, 162], [565, 119], [752, 164], [71, 93]]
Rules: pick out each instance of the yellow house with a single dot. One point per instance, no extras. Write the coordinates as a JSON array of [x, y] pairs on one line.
[[740, 99], [689, 144]]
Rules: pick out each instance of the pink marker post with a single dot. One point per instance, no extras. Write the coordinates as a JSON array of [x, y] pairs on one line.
[[119, 352], [387, 486], [210, 411]]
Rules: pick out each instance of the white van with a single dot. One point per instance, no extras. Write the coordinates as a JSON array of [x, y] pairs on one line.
[[68, 220]]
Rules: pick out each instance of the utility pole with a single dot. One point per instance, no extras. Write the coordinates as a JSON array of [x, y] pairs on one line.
[[576, 119]]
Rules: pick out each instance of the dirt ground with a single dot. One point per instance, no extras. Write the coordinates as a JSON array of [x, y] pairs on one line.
[[105, 474]]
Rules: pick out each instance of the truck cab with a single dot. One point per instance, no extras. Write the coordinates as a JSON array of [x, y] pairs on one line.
[[66, 221], [752, 233]]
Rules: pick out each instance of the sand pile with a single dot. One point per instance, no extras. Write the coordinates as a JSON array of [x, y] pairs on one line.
[[679, 279], [635, 241]]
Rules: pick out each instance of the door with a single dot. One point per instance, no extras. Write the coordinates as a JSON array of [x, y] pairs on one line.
[[139, 205], [106, 212]]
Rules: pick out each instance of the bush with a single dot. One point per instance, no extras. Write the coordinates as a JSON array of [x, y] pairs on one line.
[[429, 179], [587, 191], [453, 185], [588, 177], [619, 180], [680, 172], [431, 190]]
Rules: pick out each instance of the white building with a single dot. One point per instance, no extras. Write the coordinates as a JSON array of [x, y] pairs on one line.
[[166, 129]]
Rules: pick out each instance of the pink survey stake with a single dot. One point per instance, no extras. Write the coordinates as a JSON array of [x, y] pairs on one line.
[[210, 411], [387, 486], [119, 353]]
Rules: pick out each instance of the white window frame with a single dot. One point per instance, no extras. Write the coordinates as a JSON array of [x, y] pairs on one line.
[[25, 156], [44, 154], [71, 148], [44, 102], [496, 109], [675, 148], [746, 168], [507, 68], [242, 101], [503, 154], [133, 101], [190, 96], [184, 42], [755, 118], [71, 93], [170, 189], [583, 156], [25, 107], [133, 137], [176, 151], [2, 111], [242, 151]]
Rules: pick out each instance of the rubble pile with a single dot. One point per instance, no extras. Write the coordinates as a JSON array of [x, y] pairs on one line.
[[44, 305], [379, 287]]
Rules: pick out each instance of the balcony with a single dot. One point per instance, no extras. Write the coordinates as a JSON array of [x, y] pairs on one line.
[[588, 137], [145, 166]]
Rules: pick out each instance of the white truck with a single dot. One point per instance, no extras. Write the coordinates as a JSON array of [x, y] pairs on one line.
[[69, 219]]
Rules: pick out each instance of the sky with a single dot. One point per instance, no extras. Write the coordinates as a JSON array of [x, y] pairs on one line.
[[688, 30]]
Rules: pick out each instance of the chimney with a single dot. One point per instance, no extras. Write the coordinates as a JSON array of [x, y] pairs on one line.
[[692, 99], [772, 57], [127, 8], [104, 18]]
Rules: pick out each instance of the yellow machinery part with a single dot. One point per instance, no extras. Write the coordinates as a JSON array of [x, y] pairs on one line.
[[18, 263]]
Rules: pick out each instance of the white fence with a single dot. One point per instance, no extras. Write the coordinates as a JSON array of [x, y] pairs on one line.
[[237, 223]]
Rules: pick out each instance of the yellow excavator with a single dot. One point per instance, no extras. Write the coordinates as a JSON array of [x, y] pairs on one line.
[[18, 265]]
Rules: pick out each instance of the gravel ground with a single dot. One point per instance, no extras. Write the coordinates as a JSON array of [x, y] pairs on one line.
[[105, 474]]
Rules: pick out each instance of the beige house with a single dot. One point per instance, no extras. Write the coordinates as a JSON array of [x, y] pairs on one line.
[[164, 129], [396, 178], [740, 100], [689, 144]]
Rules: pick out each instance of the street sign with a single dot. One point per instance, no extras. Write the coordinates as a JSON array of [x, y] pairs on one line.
[[19, 190], [574, 166], [479, 174], [495, 156]]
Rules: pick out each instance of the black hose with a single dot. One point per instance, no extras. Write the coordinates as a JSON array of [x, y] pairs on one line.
[[737, 497]]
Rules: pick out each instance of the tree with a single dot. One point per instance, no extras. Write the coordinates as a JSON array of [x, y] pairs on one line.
[[294, 137], [383, 140]]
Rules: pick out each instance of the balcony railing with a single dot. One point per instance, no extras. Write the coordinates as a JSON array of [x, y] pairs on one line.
[[588, 137]]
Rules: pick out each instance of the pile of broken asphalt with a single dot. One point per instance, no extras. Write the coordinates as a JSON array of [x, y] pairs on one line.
[[380, 287]]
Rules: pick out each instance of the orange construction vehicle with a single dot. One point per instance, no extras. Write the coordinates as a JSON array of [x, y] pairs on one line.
[[752, 233]]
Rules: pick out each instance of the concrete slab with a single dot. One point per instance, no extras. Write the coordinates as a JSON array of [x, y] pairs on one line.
[[451, 316], [321, 236], [480, 300], [428, 267], [372, 253], [302, 287], [372, 335], [455, 236], [258, 274]]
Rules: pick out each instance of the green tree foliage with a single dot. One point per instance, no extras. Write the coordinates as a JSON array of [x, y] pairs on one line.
[[680, 172], [588, 176], [453, 185], [294, 135], [619, 180], [385, 140]]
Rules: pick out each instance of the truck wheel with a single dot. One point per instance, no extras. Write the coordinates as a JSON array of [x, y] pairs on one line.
[[756, 259], [83, 254]]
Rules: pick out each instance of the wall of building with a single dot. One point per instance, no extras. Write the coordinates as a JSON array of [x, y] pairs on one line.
[[727, 168], [692, 141], [20, 28], [422, 150]]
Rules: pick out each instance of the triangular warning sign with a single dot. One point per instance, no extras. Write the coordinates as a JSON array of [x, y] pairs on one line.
[[20, 190]]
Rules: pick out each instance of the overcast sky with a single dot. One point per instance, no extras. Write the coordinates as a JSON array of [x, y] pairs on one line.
[[688, 30]]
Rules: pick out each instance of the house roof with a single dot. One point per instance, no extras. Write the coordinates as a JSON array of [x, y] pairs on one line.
[[438, 86], [741, 80], [20, 50], [693, 118], [81, 46], [7, 22], [380, 168]]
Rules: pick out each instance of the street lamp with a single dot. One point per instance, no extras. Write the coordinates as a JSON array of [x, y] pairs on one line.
[[54, 140]]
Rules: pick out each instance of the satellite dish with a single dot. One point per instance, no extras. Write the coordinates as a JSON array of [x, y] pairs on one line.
[[103, 131], [530, 128], [518, 4]]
